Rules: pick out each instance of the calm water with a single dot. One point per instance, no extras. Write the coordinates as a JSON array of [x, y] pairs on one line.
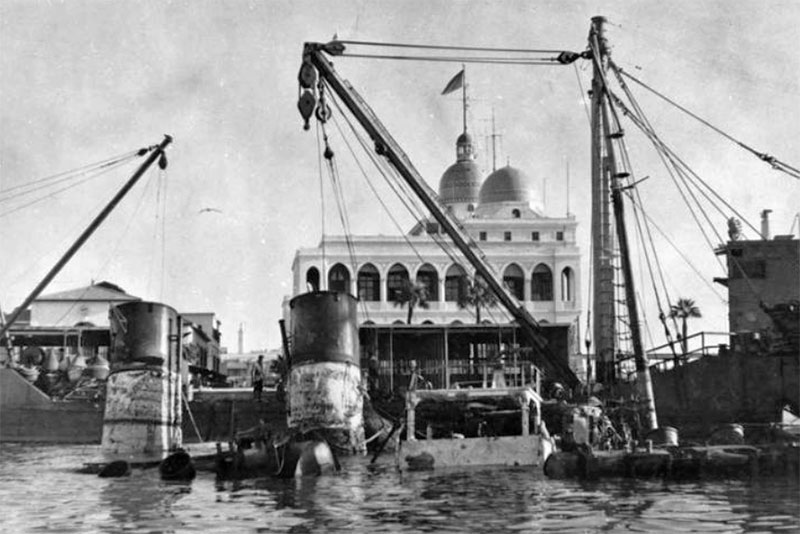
[[41, 492]]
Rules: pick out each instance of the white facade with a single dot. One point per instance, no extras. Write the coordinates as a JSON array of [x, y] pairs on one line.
[[535, 255]]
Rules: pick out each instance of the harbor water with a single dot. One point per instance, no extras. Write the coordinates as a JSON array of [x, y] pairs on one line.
[[41, 491]]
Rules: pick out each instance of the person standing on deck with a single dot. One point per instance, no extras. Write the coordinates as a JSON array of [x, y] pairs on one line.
[[257, 376]]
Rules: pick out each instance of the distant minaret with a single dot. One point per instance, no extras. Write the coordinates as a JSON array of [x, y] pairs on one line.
[[241, 338]]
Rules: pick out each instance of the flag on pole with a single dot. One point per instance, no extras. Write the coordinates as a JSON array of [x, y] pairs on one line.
[[456, 83]]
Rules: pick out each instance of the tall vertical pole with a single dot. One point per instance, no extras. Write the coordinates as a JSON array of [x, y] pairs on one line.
[[464, 96], [602, 239], [86, 234], [643, 381]]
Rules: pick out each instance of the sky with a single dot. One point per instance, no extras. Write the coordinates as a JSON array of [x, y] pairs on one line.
[[84, 81]]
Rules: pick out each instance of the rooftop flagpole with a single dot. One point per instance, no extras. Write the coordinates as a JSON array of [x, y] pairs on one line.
[[464, 94]]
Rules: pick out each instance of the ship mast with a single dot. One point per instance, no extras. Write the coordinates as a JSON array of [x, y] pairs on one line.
[[602, 238], [604, 165]]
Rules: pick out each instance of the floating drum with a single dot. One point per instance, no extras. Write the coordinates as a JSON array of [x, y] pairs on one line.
[[324, 379], [665, 436], [732, 434], [143, 400]]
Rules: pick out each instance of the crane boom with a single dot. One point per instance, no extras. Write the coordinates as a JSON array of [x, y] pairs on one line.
[[315, 62]]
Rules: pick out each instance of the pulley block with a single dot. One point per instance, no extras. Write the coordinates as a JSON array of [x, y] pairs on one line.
[[307, 75], [306, 106]]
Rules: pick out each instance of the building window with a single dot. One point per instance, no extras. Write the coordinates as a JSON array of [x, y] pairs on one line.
[[453, 283], [534, 236], [396, 280], [470, 207], [567, 288], [506, 236], [482, 236], [514, 280], [312, 279], [369, 283], [428, 276], [515, 214], [339, 279], [542, 283], [559, 236]]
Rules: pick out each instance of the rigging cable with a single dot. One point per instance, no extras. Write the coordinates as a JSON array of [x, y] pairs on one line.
[[774, 162], [322, 206], [676, 161], [660, 146], [670, 165], [637, 208], [450, 47], [56, 178], [94, 173], [462, 59], [680, 252], [401, 190], [120, 239], [338, 195], [583, 94]]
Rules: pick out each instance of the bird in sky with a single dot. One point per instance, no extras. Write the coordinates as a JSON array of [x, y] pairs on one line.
[[210, 210]]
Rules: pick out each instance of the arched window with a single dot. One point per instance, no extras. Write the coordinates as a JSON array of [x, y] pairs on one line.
[[369, 283], [427, 275], [514, 279], [453, 286], [515, 213], [312, 279], [567, 285], [395, 281], [339, 279], [542, 283]]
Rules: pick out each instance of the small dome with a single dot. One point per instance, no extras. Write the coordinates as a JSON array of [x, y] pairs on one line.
[[464, 139], [506, 185], [461, 182]]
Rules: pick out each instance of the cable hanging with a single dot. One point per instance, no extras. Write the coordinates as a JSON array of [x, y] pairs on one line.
[[773, 161]]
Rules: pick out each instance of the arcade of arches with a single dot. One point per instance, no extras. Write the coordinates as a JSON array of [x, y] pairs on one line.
[[371, 286]]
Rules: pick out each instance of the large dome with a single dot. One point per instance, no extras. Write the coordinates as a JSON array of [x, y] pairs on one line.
[[461, 181], [507, 185]]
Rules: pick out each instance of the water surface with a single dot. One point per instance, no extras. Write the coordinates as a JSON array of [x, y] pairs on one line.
[[41, 491]]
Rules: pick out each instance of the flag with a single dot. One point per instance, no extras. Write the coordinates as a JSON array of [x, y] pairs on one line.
[[456, 83]]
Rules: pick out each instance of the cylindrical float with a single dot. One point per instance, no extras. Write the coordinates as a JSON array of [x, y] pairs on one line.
[[323, 390], [143, 392]]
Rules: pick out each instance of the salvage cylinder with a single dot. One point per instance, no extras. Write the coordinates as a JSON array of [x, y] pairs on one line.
[[143, 393], [140, 332], [323, 390]]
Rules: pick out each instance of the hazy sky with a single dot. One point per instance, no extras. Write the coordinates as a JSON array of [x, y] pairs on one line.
[[82, 81]]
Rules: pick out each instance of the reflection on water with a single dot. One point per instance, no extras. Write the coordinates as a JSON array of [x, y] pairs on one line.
[[40, 491]]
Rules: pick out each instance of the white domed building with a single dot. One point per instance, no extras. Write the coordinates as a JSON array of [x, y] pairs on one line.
[[535, 255]]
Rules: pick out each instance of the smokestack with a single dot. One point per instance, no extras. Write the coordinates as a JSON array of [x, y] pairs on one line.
[[765, 224], [241, 338]]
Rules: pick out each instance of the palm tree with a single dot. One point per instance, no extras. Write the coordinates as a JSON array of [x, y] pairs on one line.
[[413, 295], [476, 294], [683, 310]]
